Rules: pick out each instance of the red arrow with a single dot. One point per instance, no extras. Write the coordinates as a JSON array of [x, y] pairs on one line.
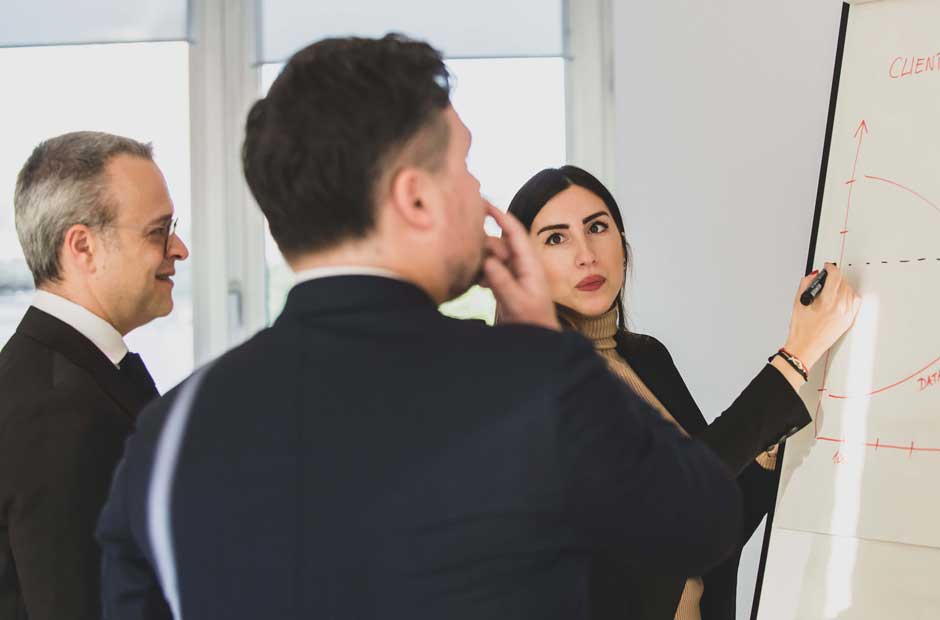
[[859, 135], [861, 126]]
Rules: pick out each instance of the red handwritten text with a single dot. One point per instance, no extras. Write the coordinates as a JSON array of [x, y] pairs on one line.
[[913, 65], [929, 380]]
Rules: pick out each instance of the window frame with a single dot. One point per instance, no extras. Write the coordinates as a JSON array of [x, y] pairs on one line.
[[229, 273]]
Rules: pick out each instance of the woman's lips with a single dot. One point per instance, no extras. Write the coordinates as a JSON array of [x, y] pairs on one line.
[[590, 283]]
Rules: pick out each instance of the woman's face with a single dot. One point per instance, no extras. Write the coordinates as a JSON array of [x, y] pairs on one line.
[[578, 243]]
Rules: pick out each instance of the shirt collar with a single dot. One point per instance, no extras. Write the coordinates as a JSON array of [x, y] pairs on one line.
[[343, 270], [101, 333]]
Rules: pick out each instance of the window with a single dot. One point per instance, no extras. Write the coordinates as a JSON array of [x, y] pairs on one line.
[[140, 90], [515, 108]]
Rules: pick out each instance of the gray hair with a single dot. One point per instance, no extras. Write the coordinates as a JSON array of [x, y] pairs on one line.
[[63, 183]]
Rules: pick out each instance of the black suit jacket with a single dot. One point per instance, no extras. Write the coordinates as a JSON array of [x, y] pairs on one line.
[[367, 457], [766, 412], [64, 416]]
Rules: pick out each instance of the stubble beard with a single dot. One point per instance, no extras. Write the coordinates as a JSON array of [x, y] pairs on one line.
[[464, 273]]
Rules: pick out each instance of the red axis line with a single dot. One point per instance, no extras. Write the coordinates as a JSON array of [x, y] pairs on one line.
[[906, 189], [887, 387], [821, 390], [860, 134], [877, 444]]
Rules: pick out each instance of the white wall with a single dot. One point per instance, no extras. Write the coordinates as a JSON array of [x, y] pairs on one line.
[[720, 120]]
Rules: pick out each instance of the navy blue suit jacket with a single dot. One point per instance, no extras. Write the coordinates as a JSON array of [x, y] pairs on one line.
[[367, 457]]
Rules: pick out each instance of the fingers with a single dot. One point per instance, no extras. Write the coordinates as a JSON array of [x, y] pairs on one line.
[[833, 285], [804, 283], [517, 241], [841, 290], [496, 247], [499, 279], [840, 297]]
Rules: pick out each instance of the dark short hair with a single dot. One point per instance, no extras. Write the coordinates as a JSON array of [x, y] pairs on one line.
[[548, 183], [63, 183], [338, 117]]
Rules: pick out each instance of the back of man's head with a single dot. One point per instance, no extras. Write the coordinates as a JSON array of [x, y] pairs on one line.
[[342, 114], [64, 183]]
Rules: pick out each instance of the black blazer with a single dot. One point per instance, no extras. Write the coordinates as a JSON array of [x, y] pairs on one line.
[[766, 412], [64, 415], [367, 457]]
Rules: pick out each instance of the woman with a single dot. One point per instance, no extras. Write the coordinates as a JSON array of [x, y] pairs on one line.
[[578, 234]]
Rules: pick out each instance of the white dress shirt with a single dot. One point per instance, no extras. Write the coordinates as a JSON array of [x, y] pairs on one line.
[[88, 324], [328, 272]]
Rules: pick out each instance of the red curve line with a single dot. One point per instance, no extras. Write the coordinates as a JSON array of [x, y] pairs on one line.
[[887, 387], [906, 189]]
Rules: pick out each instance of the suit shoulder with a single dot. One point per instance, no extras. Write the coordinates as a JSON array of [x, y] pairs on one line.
[[245, 358], [24, 361], [532, 363], [33, 395], [518, 343]]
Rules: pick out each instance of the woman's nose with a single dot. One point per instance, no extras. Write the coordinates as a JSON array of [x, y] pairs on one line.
[[585, 255]]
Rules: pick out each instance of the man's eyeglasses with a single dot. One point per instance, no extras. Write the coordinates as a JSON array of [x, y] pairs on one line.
[[170, 231], [163, 233]]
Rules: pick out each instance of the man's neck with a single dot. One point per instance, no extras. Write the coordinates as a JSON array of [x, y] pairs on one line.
[[83, 299], [95, 328], [363, 259]]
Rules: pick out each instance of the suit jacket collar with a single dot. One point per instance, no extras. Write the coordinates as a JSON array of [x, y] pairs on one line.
[[342, 294], [69, 342]]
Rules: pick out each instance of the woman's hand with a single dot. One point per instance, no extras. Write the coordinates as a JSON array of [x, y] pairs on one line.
[[816, 327], [512, 271]]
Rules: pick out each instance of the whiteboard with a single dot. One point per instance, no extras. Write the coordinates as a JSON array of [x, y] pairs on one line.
[[856, 528]]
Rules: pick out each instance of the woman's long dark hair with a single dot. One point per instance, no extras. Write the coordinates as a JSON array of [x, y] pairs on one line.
[[547, 184]]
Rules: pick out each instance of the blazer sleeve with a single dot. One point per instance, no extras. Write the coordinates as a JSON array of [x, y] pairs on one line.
[[634, 486], [64, 459], [766, 412]]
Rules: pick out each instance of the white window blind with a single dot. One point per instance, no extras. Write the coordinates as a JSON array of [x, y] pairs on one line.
[[61, 22], [478, 29]]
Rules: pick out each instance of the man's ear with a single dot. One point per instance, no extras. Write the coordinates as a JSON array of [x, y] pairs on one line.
[[410, 197], [79, 247]]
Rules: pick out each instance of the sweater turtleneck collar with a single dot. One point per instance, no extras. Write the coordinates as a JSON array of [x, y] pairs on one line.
[[601, 330]]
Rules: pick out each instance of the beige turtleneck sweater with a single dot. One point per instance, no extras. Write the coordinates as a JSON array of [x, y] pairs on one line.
[[601, 331]]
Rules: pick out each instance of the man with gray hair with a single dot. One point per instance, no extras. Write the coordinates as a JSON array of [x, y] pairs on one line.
[[97, 227]]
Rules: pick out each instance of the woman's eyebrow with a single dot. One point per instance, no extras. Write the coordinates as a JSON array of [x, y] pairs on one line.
[[553, 227], [593, 216]]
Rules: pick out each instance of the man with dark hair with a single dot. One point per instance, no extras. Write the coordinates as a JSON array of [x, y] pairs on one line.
[[96, 225], [367, 457]]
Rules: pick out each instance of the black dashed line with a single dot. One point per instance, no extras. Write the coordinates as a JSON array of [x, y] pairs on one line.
[[887, 262]]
